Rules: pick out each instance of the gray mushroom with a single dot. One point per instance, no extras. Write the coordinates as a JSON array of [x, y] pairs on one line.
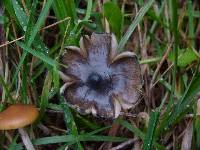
[[97, 80]]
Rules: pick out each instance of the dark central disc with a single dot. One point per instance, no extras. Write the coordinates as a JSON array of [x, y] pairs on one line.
[[99, 83], [95, 81]]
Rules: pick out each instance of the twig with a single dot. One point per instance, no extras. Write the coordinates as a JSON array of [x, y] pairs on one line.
[[124, 144], [10, 42], [163, 74], [25, 8], [26, 140], [20, 38], [160, 64]]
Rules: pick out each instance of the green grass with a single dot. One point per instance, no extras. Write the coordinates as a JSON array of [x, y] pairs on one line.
[[30, 70]]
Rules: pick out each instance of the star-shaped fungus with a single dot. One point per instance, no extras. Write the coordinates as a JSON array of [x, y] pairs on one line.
[[97, 80]]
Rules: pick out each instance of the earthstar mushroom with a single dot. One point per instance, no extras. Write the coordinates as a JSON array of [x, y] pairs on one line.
[[97, 79]]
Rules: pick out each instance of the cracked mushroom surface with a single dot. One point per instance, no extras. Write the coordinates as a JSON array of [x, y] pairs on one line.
[[97, 79]]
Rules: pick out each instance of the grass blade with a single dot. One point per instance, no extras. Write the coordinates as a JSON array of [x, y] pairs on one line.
[[134, 24], [40, 21], [21, 16], [72, 138], [45, 94], [191, 20], [88, 11], [182, 106], [175, 51], [70, 123], [114, 16], [138, 133], [64, 9], [150, 131], [38, 54]]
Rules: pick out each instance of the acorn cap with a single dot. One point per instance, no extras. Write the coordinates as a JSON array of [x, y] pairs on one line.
[[17, 116]]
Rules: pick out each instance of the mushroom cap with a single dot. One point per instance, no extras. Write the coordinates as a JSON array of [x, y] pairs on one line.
[[17, 116]]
